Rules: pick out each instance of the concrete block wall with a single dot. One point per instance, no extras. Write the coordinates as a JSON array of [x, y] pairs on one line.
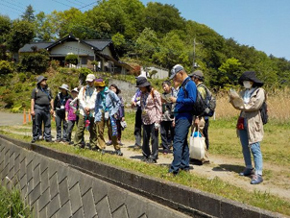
[[56, 189], [62, 185]]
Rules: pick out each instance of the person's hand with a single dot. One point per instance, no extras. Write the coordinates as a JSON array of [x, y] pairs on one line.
[[172, 99], [133, 104], [123, 119], [32, 113], [87, 111], [52, 112], [173, 123], [196, 121], [156, 126]]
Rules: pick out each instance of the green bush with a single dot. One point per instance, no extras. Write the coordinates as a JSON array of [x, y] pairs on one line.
[[8, 100], [72, 59], [5, 68], [18, 88], [54, 64], [22, 77], [36, 63]]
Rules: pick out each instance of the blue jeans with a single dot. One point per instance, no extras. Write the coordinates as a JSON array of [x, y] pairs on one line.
[[255, 149], [180, 146]]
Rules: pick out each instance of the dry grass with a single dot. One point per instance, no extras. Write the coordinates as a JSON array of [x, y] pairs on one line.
[[278, 105]]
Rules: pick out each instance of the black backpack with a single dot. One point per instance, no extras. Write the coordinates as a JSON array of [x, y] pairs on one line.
[[210, 102], [199, 106], [264, 111]]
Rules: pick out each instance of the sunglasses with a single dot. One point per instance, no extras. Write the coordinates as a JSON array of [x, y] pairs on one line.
[[100, 87]]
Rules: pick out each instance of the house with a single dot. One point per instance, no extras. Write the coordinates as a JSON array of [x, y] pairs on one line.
[[87, 50]]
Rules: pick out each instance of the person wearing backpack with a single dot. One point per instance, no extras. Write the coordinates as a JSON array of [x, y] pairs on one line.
[[41, 109], [250, 125], [186, 98], [198, 78], [106, 108], [59, 108]]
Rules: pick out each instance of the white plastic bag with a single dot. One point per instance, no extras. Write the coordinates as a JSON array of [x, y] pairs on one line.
[[197, 147]]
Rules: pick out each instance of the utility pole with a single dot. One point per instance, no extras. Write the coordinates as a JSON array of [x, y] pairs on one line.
[[194, 65]]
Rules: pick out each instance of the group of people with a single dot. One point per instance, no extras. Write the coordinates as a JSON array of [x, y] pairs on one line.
[[169, 113], [92, 107]]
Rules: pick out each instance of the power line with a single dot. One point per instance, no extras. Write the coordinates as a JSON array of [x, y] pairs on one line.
[[15, 9], [61, 3], [87, 5], [74, 3], [78, 1], [10, 3]]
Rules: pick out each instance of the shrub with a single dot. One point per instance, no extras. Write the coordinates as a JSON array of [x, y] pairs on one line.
[[22, 77], [54, 64], [71, 59], [18, 87], [36, 63], [5, 68], [8, 100]]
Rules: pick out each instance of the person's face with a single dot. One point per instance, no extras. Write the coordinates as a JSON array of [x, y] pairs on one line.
[[63, 91], [166, 88], [43, 82], [178, 78], [113, 89], [194, 79], [74, 94], [143, 89], [90, 83], [100, 88]]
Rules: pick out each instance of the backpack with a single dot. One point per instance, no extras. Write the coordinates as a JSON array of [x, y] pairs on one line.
[[264, 112], [210, 102], [199, 106]]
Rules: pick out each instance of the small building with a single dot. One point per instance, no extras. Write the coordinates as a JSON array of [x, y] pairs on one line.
[[87, 50]]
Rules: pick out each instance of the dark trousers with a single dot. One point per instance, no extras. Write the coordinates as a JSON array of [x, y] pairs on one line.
[[149, 132], [42, 115], [180, 146], [79, 136], [138, 126], [70, 126], [167, 134], [61, 126], [205, 132]]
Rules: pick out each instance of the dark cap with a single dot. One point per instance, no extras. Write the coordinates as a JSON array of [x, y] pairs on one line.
[[142, 82], [198, 74], [40, 79]]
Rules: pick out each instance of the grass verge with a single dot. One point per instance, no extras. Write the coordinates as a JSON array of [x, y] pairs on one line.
[[216, 186]]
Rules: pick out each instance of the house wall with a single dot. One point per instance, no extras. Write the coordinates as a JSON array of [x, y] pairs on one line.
[[72, 47]]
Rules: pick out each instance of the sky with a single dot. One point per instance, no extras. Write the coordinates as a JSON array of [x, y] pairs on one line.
[[263, 24]]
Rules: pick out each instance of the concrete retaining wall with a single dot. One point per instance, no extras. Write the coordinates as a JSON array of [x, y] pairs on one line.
[[62, 185]]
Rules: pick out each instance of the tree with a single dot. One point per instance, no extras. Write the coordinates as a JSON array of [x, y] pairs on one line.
[[36, 63], [5, 27], [147, 44], [22, 32], [172, 50], [163, 18], [28, 15], [228, 73]]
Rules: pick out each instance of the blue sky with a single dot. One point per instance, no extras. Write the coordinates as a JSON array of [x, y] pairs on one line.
[[264, 24]]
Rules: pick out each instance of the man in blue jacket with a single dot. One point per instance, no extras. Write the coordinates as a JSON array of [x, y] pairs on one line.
[[183, 118]]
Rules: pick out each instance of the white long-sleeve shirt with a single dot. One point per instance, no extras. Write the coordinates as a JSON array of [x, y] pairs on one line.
[[87, 98]]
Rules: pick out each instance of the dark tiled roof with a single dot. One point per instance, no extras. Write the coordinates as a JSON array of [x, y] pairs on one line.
[[98, 43], [39, 45]]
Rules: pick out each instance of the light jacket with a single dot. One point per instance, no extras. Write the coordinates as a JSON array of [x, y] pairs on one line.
[[251, 112], [87, 98], [112, 104]]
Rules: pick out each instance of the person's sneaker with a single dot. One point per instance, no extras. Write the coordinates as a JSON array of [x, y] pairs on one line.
[[257, 179], [58, 140], [48, 140], [247, 172], [119, 153], [33, 140], [151, 160], [109, 142], [144, 159], [120, 143]]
